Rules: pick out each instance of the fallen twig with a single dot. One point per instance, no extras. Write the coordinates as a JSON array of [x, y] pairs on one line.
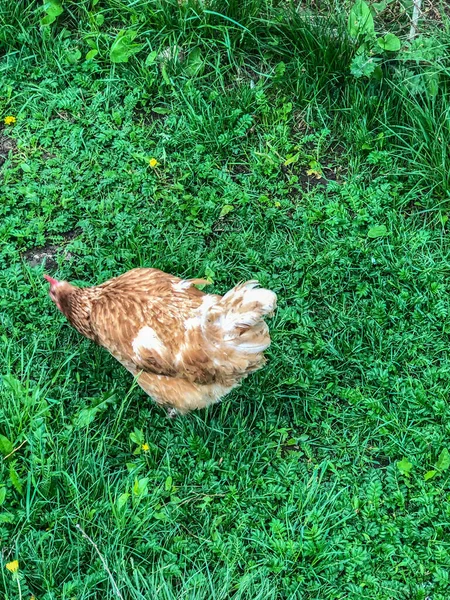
[[15, 450]]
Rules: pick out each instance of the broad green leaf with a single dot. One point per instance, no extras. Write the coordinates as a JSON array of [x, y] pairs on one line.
[[99, 19], [389, 42], [73, 57], [279, 70], [123, 48], [15, 479], [52, 8], [210, 274], [122, 500], [377, 73], [377, 231], [47, 20], [85, 417], [429, 475], [360, 20], [194, 62], [91, 54], [164, 74], [13, 384], [431, 82], [2, 495], [161, 516], [168, 484], [137, 436], [443, 462], [151, 58], [140, 487], [227, 208], [404, 466], [6, 447], [380, 6], [362, 49], [291, 159], [160, 110]]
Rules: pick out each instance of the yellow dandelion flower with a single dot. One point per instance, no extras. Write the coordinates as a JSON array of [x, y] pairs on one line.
[[145, 447], [13, 566], [9, 120], [153, 163]]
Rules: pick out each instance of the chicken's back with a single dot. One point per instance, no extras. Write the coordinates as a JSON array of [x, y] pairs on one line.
[[139, 317]]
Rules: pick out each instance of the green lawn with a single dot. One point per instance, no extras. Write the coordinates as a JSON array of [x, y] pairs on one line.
[[281, 156]]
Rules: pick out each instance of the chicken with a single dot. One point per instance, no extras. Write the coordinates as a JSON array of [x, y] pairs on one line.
[[186, 349]]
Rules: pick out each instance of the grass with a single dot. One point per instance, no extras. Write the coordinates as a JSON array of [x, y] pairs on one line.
[[315, 479]]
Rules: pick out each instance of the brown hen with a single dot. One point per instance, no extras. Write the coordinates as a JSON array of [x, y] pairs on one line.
[[187, 349]]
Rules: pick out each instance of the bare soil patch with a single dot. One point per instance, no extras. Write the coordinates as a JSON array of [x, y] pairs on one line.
[[48, 253], [6, 145]]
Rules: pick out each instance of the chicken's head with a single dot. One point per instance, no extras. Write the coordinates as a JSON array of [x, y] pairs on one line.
[[58, 291]]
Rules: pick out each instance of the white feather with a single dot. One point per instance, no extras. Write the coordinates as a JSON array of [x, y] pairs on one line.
[[181, 285], [147, 339]]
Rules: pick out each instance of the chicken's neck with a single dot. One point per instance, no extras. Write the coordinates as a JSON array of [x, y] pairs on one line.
[[77, 309]]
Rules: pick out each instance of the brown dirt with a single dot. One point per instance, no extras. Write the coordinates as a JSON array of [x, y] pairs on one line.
[[47, 254], [235, 170], [309, 182], [148, 116], [6, 145], [47, 155]]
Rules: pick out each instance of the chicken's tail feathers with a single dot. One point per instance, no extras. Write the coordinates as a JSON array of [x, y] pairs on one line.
[[246, 305], [250, 299], [239, 317]]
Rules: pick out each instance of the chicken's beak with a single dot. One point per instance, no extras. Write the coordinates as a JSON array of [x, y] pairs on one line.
[[51, 281]]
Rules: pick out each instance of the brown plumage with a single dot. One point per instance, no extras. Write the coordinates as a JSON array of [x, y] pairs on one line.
[[186, 348]]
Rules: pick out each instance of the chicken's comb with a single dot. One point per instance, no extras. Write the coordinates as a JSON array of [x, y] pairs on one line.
[[50, 279]]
